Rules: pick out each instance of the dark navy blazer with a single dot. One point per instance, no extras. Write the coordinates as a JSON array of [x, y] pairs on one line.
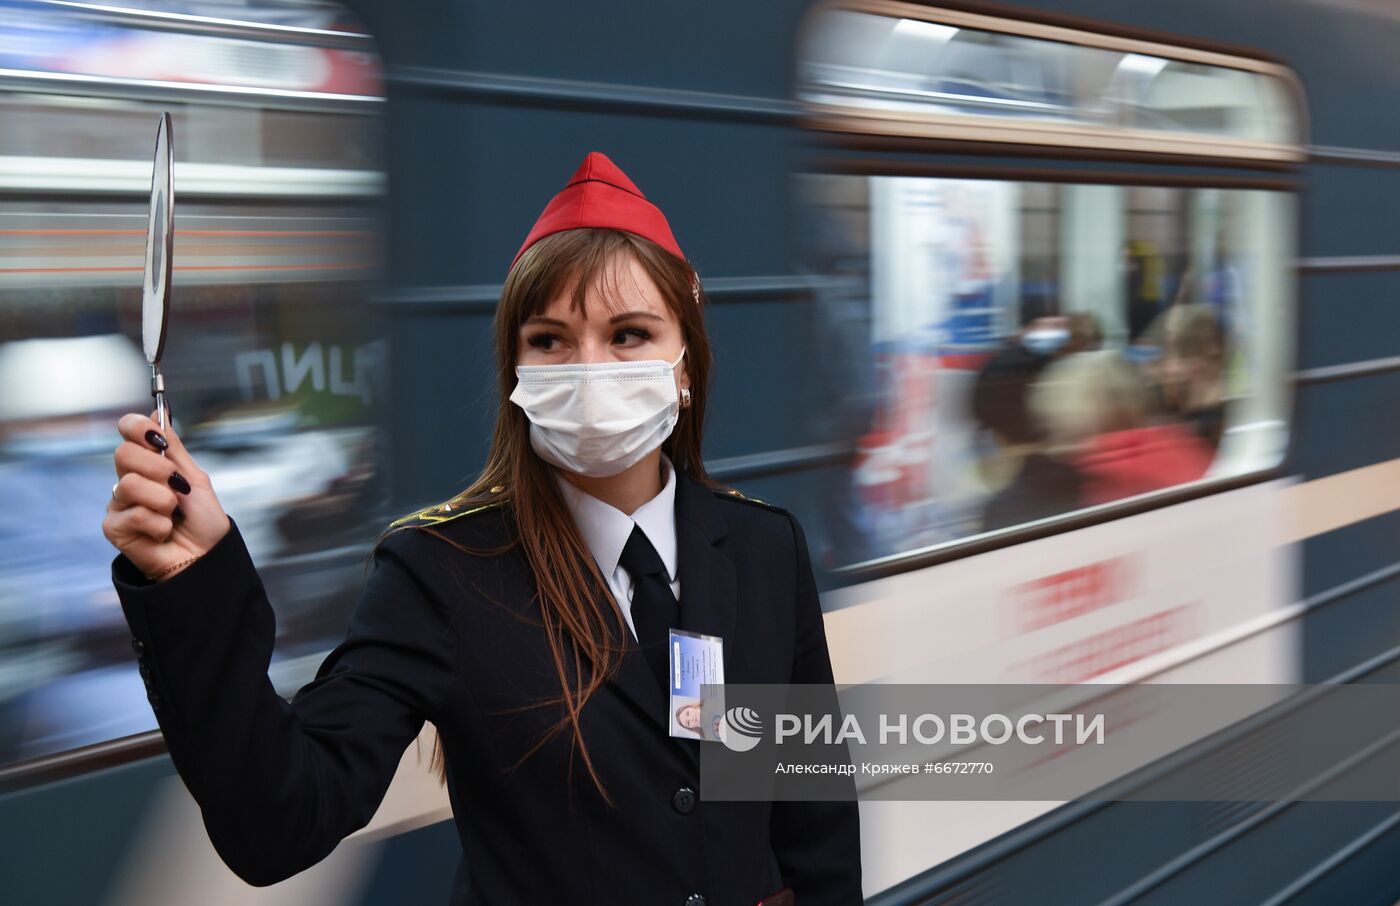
[[447, 637]]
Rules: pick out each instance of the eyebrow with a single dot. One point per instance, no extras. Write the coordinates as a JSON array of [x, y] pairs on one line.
[[622, 316]]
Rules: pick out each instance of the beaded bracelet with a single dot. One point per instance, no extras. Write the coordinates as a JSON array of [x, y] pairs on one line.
[[172, 567]]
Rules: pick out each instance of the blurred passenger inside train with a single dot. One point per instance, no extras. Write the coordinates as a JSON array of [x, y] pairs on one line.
[[1144, 271], [1096, 413], [1191, 370], [1085, 334], [845, 391], [1024, 482]]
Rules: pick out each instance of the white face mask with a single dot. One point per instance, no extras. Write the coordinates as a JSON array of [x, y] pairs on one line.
[[601, 418], [1046, 341]]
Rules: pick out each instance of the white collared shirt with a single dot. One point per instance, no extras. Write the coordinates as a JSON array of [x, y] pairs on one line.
[[605, 530]]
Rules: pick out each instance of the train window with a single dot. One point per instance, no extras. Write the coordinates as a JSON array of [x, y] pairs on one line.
[[1030, 349], [274, 366], [904, 69]]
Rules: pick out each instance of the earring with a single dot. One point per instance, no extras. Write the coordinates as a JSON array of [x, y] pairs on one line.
[[685, 397]]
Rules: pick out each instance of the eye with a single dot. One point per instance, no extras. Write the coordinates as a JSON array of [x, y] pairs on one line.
[[541, 341], [641, 334]]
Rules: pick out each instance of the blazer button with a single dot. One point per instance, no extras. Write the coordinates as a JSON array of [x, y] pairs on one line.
[[683, 801], [695, 900], [138, 646]]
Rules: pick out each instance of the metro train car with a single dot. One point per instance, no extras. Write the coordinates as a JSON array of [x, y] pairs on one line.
[[1067, 328]]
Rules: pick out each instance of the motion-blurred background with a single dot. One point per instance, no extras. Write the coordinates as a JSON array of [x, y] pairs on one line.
[[1067, 328]]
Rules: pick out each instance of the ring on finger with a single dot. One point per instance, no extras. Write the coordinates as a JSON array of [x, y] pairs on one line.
[[114, 490]]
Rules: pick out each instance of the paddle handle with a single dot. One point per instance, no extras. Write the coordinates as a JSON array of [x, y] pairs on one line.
[[158, 392]]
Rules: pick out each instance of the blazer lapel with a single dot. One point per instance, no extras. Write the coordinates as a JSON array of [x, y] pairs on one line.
[[635, 680], [709, 588], [708, 604]]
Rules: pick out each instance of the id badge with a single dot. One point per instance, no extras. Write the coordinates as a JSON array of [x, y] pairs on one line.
[[695, 661]]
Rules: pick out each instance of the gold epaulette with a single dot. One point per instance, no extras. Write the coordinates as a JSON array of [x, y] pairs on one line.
[[735, 494], [447, 510]]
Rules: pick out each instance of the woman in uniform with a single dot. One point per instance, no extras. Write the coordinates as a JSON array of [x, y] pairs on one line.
[[526, 618]]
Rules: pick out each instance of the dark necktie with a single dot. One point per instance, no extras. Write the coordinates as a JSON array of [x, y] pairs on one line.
[[654, 608]]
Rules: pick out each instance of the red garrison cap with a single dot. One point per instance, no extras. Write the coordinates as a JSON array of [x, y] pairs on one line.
[[600, 195]]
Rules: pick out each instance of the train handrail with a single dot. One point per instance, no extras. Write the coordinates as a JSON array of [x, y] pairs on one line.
[[95, 176], [81, 85], [211, 26]]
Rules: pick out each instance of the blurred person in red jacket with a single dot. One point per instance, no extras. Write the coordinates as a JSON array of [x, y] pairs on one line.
[[1095, 410]]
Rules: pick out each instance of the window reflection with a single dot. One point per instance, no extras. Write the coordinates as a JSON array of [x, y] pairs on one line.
[[884, 66], [1036, 349]]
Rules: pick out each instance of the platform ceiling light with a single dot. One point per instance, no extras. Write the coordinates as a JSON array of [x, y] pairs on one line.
[[1142, 65], [932, 32]]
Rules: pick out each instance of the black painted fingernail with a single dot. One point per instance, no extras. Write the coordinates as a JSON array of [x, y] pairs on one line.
[[178, 482], [177, 514], [154, 438]]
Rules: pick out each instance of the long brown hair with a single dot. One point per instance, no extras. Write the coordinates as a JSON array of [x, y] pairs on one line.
[[581, 619]]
